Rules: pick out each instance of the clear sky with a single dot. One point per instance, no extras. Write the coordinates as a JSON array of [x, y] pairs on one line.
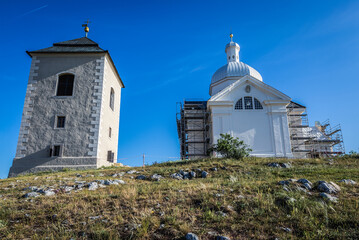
[[166, 51]]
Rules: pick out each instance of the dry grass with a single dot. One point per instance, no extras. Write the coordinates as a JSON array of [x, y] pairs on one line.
[[170, 208]]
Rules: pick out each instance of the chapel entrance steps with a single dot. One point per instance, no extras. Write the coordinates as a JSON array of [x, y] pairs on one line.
[[193, 127], [322, 140]]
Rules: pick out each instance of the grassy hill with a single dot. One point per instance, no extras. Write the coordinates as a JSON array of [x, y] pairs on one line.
[[241, 200]]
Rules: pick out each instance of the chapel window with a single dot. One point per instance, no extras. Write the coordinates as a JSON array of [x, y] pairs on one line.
[[65, 85], [257, 104], [248, 104], [112, 99], [239, 104]]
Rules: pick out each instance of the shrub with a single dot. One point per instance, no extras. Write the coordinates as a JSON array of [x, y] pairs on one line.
[[230, 147]]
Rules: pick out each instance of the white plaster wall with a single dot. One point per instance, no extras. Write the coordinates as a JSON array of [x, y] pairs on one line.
[[264, 130], [109, 118]]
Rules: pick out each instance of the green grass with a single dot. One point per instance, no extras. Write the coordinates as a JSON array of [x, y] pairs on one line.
[[256, 206]]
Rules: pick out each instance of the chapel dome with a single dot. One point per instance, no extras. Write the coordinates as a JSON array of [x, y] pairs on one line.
[[234, 67]]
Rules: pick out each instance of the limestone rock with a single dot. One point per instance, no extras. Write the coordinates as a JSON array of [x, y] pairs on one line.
[[176, 176], [191, 236], [331, 187], [93, 186], [141, 177], [348, 181], [49, 193], [156, 177], [276, 165], [31, 194], [283, 183], [222, 238], [119, 181], [303, 181], [328, 197]]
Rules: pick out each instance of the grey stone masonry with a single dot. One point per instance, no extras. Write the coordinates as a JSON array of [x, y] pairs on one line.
[[84, 112]]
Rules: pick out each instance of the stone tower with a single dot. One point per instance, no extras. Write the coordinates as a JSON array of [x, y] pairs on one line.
[[72, 109]]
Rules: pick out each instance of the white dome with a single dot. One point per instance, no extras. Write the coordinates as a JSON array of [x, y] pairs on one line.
[[235, 69]]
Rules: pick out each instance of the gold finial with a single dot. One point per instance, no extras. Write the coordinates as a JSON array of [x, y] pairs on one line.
[[86, 27], [231, 36]]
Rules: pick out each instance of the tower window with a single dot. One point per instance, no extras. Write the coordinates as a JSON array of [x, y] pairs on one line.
[[239, 104], [65, 85], [110, 156], [257, 104], [110, 132], [248, 104], [56, 152], [60, 122], [112, 99]]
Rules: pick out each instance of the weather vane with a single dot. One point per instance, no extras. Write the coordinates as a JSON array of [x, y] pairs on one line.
[[86, 27]]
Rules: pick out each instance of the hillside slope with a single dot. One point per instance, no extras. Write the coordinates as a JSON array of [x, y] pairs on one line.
[[237, 199]]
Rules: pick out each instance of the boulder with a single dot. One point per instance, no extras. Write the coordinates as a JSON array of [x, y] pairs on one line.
[[307, 186], [222, 238], [214, 169], [119, 181], [176, 176], [283, 183], [92, 186], [110, 182], [285, 165], [328, 197], [156, 177], [325, 187], [192, 174], [276, 165], [191, 236], [303, 181], [141, 177], [49, 193], [31, 194], [348, 181], [204, 174]]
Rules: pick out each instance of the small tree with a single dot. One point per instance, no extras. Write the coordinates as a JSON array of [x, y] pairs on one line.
[[230, 147]]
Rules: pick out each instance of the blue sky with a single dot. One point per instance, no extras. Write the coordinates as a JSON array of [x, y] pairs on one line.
[[166, 51]]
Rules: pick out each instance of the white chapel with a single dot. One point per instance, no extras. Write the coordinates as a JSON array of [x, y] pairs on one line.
[[266, 119]]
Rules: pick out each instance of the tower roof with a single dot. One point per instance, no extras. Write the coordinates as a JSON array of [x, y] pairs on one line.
[[79, 45]]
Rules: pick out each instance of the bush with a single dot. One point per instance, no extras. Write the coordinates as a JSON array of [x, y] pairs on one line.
[[230, 147]]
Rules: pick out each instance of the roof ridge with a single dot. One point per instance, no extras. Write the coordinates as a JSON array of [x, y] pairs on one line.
[[83, 41]]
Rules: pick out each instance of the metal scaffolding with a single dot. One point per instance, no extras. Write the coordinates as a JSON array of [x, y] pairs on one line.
[[193, 128], [332, 144], [320, 140], [298, 129]]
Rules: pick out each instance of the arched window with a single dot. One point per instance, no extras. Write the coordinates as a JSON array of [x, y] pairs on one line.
[[65, 85], [112, 99], [257, 104], [239, 104], [248, 102]]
